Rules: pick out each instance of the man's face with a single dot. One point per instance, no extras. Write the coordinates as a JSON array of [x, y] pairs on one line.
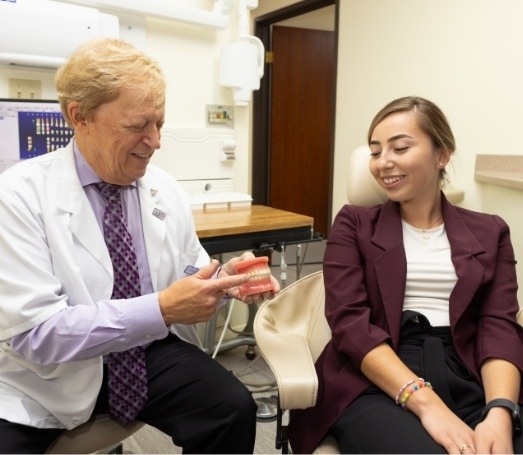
[[121, 137]]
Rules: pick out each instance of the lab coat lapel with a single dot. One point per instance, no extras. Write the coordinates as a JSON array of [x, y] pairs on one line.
[[71, 199], [464, 248], [391, 266], [154, 216]]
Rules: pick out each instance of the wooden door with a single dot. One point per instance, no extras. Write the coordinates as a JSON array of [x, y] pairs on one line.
[[301, 125]]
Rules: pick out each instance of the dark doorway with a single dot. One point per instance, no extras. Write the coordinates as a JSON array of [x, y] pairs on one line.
[[300, 122], [293, 129]]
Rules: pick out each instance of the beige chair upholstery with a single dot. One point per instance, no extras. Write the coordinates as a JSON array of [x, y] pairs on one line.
[[101, 433], [291, 330], [362, 187]]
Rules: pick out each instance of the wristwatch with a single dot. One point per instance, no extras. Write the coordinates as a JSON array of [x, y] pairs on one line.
[[511, 406]]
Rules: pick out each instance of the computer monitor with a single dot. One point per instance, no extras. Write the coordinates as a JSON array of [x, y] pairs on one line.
[[29, 128]]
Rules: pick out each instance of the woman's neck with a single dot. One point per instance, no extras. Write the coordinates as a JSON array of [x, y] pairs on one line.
[[426, 215]]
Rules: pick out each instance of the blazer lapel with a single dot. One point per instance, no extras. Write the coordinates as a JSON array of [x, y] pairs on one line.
[[154, 215], [391, 266], [464, 248]]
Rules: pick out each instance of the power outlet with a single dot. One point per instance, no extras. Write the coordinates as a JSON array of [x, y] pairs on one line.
[[25, 89]]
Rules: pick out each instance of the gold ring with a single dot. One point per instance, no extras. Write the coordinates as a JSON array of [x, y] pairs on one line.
[[463, 448]]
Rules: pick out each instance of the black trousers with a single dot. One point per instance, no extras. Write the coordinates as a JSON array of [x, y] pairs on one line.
[[374, 423], [203, 407]]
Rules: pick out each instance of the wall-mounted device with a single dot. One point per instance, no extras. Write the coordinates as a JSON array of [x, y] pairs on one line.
[[43, 33], [242, 62], [241, 67]]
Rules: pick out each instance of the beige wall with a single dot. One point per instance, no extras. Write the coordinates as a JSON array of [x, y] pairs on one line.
[[462, 54], [189, 55]]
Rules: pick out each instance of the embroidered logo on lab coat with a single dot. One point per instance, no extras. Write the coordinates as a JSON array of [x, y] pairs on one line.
[[159, 214], [153, 192]]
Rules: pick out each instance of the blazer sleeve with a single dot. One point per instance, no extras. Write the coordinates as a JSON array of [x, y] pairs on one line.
[[499, 335], [356, 328]]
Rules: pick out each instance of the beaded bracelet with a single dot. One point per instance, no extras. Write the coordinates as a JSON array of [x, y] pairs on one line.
[[402, 389], [413, 388]]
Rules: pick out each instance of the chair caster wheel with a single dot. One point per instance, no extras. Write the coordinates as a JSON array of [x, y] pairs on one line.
[[250, 353]]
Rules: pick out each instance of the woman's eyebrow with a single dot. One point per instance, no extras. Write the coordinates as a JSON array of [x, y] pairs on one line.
[[391, 139], [398, 136]]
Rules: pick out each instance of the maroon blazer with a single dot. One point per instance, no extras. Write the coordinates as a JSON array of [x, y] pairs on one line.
[[365, 272]]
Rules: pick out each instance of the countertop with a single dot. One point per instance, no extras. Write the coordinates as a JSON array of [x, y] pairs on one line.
[[503, 170]]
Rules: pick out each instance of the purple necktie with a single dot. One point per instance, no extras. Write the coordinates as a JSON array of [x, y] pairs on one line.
[[127, 374]]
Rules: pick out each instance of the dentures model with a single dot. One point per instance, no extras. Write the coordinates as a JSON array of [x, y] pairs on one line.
[[259, 275]]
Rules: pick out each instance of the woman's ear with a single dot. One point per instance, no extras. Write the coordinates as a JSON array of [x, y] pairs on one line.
[[443, 158]]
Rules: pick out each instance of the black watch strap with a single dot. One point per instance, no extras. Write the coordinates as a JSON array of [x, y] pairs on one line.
[[511, 406]]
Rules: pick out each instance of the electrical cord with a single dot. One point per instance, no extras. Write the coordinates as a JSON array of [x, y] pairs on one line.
[[225, 325], [269, 386]]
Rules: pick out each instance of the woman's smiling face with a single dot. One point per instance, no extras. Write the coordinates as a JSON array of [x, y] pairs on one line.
[[403, 159], [122, 135]]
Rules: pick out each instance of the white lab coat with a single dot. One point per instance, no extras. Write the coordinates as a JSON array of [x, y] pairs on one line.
[[53, 254]]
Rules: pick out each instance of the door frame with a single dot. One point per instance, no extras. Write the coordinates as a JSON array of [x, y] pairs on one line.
[[262, 100]]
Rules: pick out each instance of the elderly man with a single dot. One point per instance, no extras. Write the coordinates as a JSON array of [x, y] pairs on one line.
[[102, 276]]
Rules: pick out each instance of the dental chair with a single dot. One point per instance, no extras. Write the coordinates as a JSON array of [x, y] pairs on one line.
[[291, 330], [102, 433]]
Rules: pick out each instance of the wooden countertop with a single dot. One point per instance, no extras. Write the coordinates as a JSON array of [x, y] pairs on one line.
[[214, 222]]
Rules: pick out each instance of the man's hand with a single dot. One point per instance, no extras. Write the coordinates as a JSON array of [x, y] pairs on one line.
[[229, 270], [195, 298]]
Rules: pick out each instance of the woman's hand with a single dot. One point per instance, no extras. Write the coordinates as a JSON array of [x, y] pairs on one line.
[[445, 427], [385, 369], [494, 434]]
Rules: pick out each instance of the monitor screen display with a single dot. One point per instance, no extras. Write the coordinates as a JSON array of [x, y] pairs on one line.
[[29, 128]]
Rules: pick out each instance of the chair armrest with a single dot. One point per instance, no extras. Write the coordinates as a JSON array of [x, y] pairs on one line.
[[289, 358]]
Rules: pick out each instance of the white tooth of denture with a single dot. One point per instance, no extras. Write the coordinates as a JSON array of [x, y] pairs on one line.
[[259, 274]]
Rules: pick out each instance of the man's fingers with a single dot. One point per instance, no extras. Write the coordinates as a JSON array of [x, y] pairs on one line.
[[208, 271], [228, 282]]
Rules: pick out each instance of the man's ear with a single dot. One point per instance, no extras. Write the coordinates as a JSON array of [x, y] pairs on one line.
[[78, 121]]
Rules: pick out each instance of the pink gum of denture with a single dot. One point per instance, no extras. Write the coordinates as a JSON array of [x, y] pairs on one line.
[[259, 275]]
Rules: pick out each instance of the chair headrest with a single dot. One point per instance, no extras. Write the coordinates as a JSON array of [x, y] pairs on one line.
[[362, 188]]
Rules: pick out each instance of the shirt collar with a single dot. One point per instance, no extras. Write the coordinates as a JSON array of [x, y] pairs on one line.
[[85, 172]]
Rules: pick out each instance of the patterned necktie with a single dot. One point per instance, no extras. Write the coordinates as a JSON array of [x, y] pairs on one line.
[[127, 379]]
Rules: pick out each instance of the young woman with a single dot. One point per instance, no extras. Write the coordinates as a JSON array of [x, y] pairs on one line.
[[426, 353]]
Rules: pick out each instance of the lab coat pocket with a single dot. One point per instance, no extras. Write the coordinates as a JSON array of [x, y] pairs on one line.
[[11, 361]]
